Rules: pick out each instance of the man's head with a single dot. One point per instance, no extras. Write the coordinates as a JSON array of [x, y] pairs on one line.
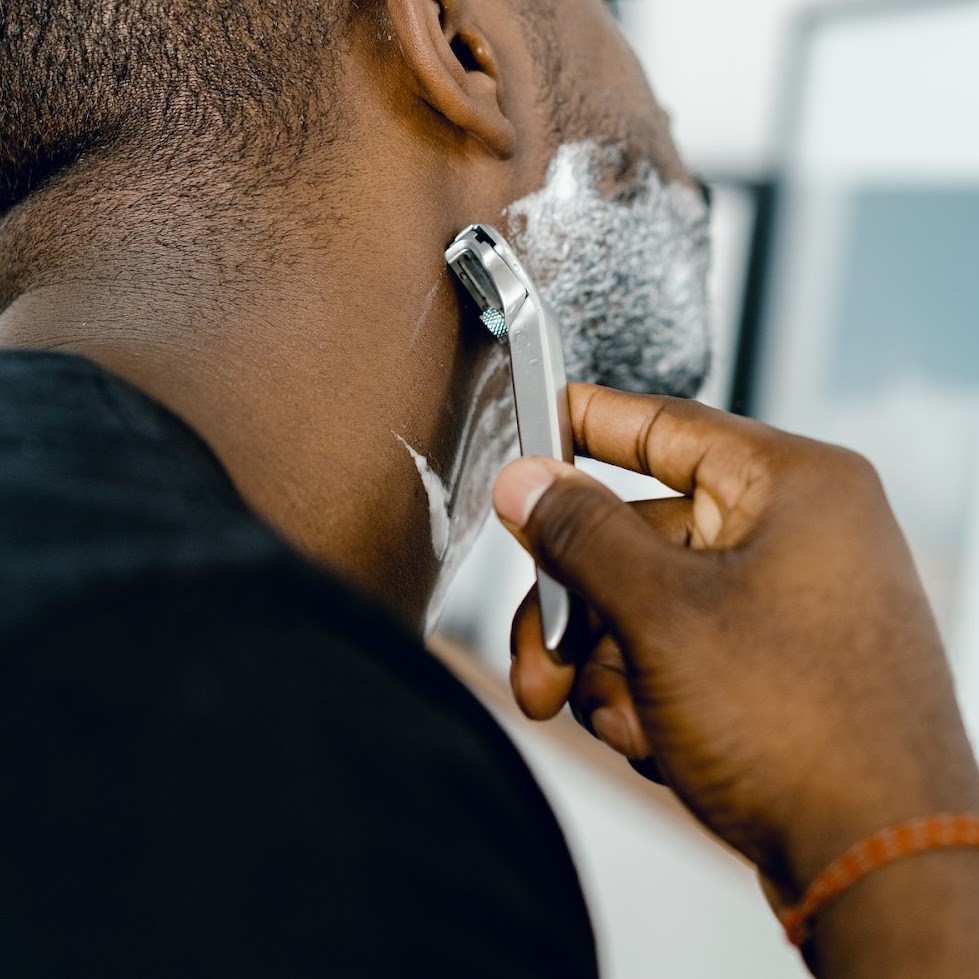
[[242, 208], [229, 102], [134, 105]]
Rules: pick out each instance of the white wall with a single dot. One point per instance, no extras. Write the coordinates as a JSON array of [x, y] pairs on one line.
[[717, 65]]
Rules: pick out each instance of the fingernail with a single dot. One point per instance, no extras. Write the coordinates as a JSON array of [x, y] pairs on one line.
[[610, 726], [519, 489]]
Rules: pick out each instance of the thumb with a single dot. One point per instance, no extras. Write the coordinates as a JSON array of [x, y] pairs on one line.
[[589, 540]]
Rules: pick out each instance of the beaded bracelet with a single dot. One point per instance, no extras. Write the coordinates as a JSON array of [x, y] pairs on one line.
[[914, 836]]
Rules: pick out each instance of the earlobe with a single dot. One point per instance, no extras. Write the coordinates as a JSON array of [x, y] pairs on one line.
[[455, 66]]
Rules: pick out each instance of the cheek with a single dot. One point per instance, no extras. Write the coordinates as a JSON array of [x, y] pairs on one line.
[[488, 442], [607, 95]]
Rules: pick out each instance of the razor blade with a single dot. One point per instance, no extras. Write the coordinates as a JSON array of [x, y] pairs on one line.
[[512, 310]]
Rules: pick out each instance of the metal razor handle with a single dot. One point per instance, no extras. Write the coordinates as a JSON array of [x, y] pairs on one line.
[[512, 309], [540, 391]]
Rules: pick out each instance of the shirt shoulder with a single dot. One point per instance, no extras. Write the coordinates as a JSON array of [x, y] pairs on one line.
[[242, 774], [219, 760]]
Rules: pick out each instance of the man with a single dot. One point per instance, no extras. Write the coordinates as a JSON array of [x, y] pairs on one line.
[[243, 212], [223, 291]]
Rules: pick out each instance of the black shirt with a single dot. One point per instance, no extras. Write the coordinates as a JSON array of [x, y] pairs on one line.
[[217, 761]]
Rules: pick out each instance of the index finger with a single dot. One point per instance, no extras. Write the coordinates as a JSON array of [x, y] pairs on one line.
[[683, 444]]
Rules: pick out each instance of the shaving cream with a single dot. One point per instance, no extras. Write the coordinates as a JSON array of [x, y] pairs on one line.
[[458, 505], [438, 500], [623, 261], [625, 272]]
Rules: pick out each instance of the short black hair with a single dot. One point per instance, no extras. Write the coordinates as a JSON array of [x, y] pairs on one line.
[[245, 79], [211, 101]]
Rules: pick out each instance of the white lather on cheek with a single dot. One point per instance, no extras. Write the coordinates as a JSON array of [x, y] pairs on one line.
[[452, 510], [626, 275], [438, 500], [458, 508], [490, 444]]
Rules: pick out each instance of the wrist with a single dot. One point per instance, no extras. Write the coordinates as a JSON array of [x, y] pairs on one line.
[[832, 822], [871, 854], [917, 916], [817, 847]]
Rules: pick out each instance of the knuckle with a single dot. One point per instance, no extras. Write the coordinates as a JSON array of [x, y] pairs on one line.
[[854, 472], [819, 463], [862, 470]]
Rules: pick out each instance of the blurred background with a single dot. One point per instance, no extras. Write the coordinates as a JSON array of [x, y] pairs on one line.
[[841, 141]]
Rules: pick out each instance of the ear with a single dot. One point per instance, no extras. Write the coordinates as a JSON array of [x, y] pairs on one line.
[[455, 66]]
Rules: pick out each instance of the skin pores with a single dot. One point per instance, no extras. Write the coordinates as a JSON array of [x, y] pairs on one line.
[[623, 261]]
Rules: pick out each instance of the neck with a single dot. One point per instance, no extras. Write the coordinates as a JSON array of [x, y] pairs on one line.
[[308, 387]]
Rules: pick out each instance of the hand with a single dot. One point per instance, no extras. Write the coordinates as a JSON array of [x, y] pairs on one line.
[[764, 639]]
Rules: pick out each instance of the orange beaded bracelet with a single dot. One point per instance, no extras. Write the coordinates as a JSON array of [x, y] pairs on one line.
[[914, 836]]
